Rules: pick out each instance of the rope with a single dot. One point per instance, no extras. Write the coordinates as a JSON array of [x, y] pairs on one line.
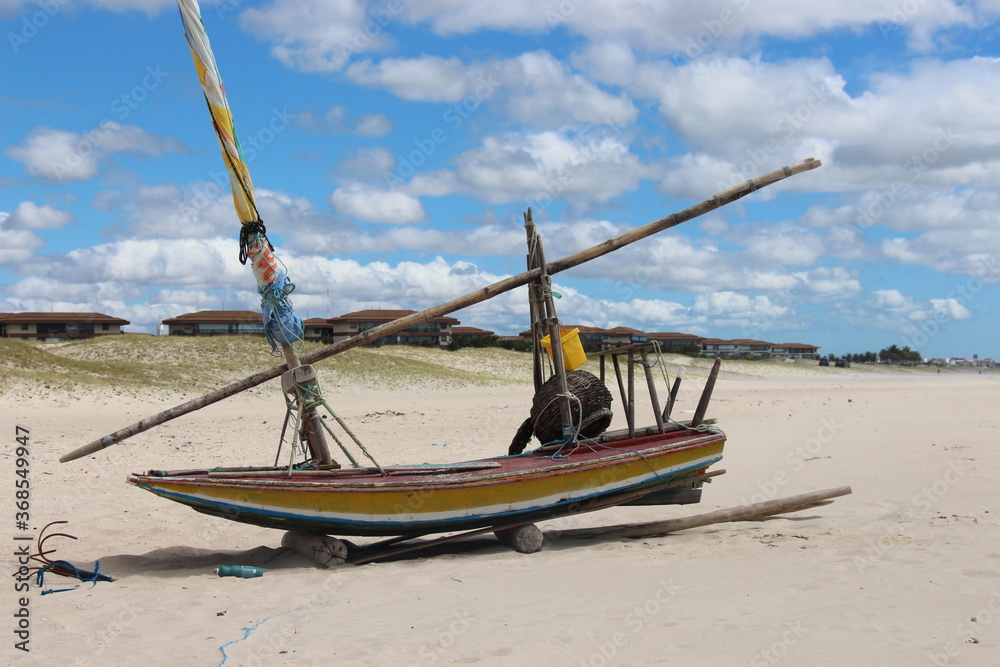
[[275, 304], [657, 348], [69, 570], [248, 234], [308, 397], [574, 429], [276, 299]]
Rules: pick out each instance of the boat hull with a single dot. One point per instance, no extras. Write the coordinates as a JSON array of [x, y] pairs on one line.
[[498, 492]]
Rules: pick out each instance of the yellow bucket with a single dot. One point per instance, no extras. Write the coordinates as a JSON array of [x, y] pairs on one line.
[[572, 348]]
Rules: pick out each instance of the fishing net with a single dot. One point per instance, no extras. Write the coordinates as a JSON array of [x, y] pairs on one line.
[[545, 422]]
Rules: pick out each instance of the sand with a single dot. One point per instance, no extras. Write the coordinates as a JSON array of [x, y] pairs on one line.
[[906, 570]]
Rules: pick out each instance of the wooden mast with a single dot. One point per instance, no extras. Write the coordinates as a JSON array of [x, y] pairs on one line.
[[542, 304], [534, 304], [488, 292], [254, 246]]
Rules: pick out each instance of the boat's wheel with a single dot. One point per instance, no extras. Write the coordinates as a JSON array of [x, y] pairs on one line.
[[325, 550], [525, 539]]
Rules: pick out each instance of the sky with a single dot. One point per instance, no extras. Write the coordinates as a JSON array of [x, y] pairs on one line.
[[395, 145]]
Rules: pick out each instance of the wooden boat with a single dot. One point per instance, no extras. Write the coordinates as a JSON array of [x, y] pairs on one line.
[[419, 500], [571, 473]]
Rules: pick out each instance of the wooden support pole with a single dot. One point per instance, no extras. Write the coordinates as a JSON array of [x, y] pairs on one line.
[[752, 512], [371, 335], [534, 304], [706, 394], [673, 394], [621, 390], [651, 384], [310, 429], [631, 389], [550, 319]]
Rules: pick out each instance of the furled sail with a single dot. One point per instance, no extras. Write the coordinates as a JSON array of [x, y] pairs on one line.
[[281, 325]]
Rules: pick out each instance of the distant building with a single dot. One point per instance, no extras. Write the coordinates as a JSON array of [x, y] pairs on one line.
[[318, 329], [744, 347], [718, 347], [217, 323], [436, 332], [795, 351], [440, 331], [470, 332], [595, 337], [975, 362], [58, 326], [675, 340], [621, 336]]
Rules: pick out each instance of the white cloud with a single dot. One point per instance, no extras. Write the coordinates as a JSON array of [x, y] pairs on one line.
[[202, 264], [784, 245], [892, 310], [949, 309], [337, 119], [374, 125], [972, 253], [547, 92], [911, 130], [538, 168], [38, 288], [425, 79], [407, 284], [333, 120], [675, 262], [62, 156], [323, 35], [752, 315], [16, 245], [830, 282], [698, 176], [368, 164], [690, 29], [150, 7], [891, 299], [367, 203], [533, 88], [645, 314], [29, 215], [500, 240], [911, 209], [202, 210], [315, 35]]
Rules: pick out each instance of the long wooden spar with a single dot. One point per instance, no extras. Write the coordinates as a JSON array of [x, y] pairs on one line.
[[499, 287]]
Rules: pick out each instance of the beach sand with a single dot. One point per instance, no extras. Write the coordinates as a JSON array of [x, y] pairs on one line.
[[906, 570]]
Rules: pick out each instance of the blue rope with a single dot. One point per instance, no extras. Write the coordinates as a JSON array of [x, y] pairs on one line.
[[82, 575], [281, 325]]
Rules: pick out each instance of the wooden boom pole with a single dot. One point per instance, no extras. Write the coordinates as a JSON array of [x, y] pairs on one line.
[[488, 292]]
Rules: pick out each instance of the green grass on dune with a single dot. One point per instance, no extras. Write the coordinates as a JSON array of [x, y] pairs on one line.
[[202, 364], [38, 364]]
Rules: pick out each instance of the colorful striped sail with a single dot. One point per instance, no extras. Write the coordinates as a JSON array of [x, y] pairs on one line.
[[280, 323]]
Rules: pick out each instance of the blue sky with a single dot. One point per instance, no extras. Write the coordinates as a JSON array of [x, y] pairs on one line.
[[394, 146]]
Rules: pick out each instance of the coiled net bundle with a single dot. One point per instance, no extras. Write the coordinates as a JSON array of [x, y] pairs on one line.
[[545, 422]]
